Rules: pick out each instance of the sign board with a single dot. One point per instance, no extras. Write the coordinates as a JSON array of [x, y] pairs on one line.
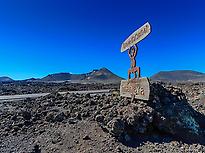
[[135, 37], [138, 88]]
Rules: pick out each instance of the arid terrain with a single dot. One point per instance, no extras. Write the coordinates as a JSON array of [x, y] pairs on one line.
[[22, 87], [171, 121], [102, 76]]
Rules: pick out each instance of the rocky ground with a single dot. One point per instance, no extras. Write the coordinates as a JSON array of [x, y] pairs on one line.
[[23, 87], [195, 93], [73, 123]]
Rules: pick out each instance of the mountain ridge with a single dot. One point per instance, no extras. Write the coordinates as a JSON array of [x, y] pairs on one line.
[[5, 79], [101, 75], [105, 75], [179, 75], [95, 75]]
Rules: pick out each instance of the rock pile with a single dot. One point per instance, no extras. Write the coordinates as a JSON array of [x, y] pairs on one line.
[[23, 87], [167, 112]]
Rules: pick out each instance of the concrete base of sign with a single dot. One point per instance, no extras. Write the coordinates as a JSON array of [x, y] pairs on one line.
[[138, 88]]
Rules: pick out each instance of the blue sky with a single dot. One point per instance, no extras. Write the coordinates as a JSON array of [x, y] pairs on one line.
[[39, 37]]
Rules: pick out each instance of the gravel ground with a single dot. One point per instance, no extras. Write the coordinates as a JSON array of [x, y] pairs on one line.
[[23, 87], [74, 123]]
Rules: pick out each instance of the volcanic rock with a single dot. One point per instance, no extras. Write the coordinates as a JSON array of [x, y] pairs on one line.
[[60, 122], [86, 137], [116, 126], [167, 111], [99, 118], [60, 117]]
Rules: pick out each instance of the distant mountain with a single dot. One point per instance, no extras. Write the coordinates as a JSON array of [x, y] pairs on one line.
[[5, 79], [63, 77], [101, 75], [57, 77], [31, 80], [179, 75]]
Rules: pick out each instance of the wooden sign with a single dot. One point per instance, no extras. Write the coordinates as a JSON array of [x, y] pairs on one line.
[[138, 88], [135, 37]]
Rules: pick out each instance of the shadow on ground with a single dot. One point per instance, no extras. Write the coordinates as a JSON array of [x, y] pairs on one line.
[[174, 119]]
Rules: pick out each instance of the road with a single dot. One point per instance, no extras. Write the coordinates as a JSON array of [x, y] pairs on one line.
[[21, 97]]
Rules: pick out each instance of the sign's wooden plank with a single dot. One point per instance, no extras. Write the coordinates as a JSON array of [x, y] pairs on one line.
[[138, 88], [135, 37]]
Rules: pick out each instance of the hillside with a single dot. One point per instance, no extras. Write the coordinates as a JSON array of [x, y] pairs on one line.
[[5, 79], [101, 75], [179, 75]]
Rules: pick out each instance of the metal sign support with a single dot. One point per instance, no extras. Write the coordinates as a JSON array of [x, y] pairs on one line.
[[137, 87]]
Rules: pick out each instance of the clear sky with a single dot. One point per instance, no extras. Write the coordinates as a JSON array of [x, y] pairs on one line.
[[38, 37]]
